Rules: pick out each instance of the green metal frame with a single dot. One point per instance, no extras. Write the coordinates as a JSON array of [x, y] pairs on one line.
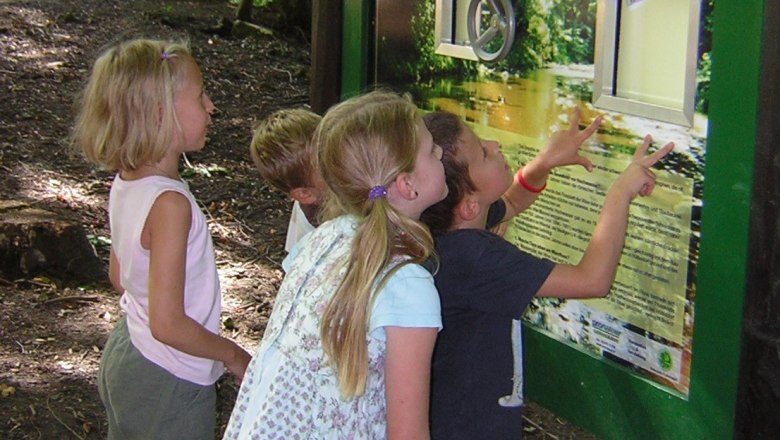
[[354, 58], [604, 398]]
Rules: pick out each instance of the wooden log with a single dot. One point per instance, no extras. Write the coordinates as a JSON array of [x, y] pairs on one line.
[[243, 29]]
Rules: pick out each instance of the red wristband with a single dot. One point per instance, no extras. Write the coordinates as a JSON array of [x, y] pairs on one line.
[[524, 184]]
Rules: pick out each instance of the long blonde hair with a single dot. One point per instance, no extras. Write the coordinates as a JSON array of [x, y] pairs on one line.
[[126, 110], [365, 142]]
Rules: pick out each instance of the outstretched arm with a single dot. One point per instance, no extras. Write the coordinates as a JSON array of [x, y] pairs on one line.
[[407, 381], [594, 274], [562, 149]]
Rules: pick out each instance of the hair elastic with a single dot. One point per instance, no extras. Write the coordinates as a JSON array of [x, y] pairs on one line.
[[164, 55], [524, 184], [377, 192]]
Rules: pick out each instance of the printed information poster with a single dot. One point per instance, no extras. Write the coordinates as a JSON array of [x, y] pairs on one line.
[[644, 323]]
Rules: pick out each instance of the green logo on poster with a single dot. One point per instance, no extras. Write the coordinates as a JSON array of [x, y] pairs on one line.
[[665, 360]]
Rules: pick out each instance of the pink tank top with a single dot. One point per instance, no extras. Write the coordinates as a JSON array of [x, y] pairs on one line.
[[129, 205]]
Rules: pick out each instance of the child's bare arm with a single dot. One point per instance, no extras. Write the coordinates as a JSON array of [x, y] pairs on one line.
[[562, 149], [594, 274], [407, 381], [114, 271], [168, 225]]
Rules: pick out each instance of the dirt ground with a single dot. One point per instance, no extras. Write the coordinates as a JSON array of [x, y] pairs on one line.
[[52, 331]]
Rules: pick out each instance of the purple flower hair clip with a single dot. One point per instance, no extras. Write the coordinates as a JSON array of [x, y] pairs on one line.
[[377, 192]]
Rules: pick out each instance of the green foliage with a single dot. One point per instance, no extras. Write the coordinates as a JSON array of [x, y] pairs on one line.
[[284, 15], [571, 25], [547, 31], [707, 7], [428, 64], [532, 40], [552, 31], [255, 3], [703, 83], [99, 241], [705, 60]]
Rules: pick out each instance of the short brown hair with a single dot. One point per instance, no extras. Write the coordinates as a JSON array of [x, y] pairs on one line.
[[282, 148], [446, 128]]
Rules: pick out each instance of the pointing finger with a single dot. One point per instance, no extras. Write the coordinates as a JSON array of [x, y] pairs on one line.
[[574, 124], [639, 154], [657, 155], [590, 129]]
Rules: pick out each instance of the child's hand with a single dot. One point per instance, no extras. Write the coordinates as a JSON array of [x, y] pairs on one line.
[[563, 147], [237, 366], [638, 179]]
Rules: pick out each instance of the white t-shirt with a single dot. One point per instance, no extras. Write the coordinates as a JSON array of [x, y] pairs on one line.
[[299, 226]]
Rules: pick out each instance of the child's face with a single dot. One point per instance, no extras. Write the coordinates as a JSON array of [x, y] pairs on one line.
[[428, 171], [193, 109], [487, 167]]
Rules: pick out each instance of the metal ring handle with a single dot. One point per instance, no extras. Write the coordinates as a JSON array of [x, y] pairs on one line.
[[502, 23]]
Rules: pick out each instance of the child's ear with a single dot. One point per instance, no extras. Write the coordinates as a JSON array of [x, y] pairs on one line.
[[468, 208], [304, 196], [405, 187]]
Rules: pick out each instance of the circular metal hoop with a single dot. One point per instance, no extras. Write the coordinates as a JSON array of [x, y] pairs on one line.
[[502, 25]]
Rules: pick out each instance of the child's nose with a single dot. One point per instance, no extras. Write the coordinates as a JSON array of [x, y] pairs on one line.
[[493, 146]]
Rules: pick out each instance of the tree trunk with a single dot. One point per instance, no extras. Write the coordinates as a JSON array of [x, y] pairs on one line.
[[325, 82], [244, 11]]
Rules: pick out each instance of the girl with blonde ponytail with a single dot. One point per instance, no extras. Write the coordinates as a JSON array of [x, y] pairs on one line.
[[347, 351]]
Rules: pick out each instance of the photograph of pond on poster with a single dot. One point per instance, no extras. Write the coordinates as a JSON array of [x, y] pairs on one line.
[[646, 322]]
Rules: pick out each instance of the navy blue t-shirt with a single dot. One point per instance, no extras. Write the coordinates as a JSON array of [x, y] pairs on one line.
[[484, 283]]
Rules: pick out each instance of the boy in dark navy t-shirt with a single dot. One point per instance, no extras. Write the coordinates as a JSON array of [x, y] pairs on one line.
[[485, 283]]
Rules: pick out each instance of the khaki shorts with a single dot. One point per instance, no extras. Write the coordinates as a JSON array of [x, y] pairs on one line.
[[145, 401]]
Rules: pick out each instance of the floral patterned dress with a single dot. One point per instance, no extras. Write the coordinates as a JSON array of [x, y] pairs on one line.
[[289, 391]]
